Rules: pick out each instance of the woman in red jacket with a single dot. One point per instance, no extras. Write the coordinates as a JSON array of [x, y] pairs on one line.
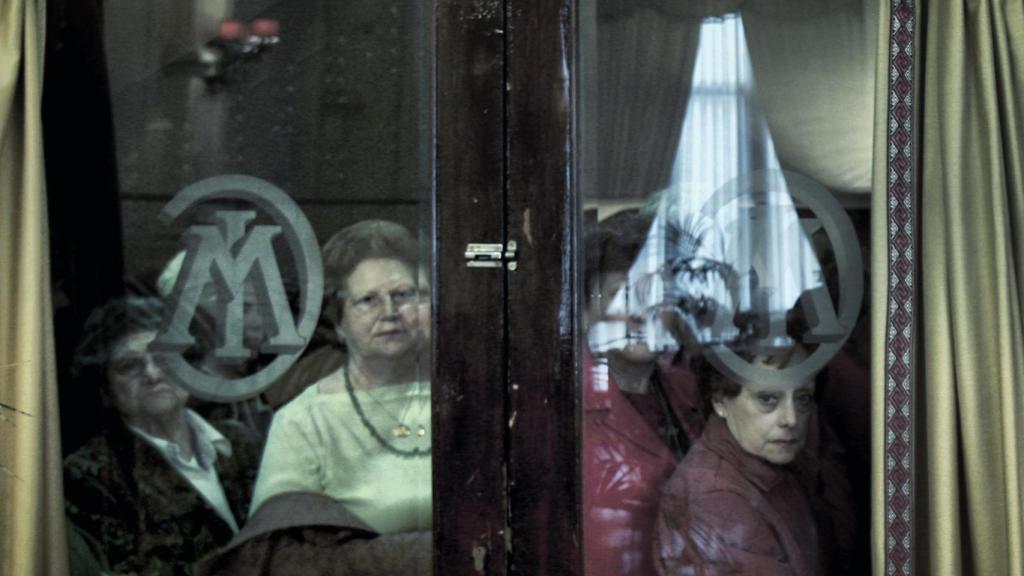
[[641, 406], [756, 494]]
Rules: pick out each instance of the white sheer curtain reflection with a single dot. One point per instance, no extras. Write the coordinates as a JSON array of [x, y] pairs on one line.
[[724, 134], [727, 234]]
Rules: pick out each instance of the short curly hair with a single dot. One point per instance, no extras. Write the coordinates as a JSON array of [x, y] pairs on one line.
[[105, 326], [713, 384], [350, 246]]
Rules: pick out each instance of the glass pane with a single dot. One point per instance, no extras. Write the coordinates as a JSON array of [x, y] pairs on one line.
[[255, 336], [726, 153]]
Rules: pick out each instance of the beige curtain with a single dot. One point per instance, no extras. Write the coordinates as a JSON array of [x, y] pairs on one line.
[[32, 539], [969, 381]]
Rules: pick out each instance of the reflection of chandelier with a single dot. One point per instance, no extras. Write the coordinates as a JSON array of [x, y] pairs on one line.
[[236, 41]]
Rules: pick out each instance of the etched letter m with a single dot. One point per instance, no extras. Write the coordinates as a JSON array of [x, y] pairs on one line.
[[229, 256]]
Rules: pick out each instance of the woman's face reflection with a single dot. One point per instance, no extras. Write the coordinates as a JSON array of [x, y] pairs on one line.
[[416, 312], [620, 324]]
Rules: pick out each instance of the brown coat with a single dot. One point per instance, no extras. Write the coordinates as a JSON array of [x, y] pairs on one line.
[[725, 511], [310, 534]]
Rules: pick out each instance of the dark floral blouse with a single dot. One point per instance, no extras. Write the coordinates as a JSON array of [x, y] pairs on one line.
[[146, 517]]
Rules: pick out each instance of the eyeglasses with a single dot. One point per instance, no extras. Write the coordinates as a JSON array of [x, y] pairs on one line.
[[129, 366], [373, 302]]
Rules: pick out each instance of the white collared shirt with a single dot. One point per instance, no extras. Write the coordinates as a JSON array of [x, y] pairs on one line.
[[199, 469]]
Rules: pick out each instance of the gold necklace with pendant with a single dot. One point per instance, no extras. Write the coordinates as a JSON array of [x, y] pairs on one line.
[[400, 431]]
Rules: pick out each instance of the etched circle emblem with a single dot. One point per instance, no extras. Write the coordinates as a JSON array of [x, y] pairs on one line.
[[829, 329], [233, 254]]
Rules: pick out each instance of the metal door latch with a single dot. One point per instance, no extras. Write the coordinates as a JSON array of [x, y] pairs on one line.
[[491, 255]]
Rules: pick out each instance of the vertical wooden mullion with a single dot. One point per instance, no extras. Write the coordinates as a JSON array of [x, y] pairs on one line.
[[543, 461], [469, 324]]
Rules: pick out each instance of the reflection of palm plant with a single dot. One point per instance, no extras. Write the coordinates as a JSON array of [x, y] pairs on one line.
[[681, 283], [690, 277]]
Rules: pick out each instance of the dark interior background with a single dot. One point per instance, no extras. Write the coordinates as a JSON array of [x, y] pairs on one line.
[[337, 114]]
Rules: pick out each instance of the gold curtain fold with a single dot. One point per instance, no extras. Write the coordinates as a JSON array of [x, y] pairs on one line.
[[32, 539], [879, 291], [969, 381]]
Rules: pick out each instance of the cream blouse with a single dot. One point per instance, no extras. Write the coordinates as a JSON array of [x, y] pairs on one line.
[[319, 443]]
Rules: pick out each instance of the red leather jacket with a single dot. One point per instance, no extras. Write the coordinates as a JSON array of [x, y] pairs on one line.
[[625, 464], [725, 511]]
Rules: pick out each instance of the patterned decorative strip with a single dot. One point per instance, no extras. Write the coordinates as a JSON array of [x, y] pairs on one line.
[[899, 519]]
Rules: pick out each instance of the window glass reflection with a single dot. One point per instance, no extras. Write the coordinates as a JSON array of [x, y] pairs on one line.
[[725, 380], [227, 405]]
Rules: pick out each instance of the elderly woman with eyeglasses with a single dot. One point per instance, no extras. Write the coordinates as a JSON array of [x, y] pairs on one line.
[[361, 435], [160, 487]]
